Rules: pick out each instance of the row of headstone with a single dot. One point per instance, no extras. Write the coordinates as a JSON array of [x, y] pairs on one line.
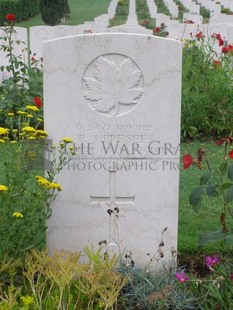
[[172, 7], [219, 23], [212, 6]]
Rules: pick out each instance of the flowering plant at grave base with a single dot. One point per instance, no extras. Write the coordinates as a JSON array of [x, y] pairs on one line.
[[24, 81], [206, 86], [215, 182], [215, 291], [25, 195], [161, 31]]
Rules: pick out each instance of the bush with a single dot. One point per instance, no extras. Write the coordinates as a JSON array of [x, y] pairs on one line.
[[52, 11], [207, 94]]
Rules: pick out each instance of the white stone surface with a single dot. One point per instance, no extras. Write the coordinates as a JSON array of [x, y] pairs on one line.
[[18, 49], [132, 17], [40, 34], [126, 29], [118, 97], [230, 35], [197, 19]]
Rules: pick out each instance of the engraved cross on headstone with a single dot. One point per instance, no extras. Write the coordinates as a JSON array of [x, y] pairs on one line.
[[113, 200]]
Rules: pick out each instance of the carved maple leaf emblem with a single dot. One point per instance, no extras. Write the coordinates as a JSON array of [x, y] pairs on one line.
[[113, 84]]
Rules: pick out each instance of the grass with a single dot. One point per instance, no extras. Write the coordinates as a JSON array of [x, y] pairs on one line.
[[192, 224], [81, 11]]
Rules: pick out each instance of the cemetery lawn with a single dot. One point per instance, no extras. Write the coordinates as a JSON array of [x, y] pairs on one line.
[[81, 11]]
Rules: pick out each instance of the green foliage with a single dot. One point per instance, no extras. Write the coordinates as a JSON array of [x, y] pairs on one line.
[[24, 80], [207, 90], [23, 9], [215, 291], [25, 198], [161, 7], [52, 11], [153, 290], [143, 15], [182, 9], [60, 282], [121, 14], [217, 182]]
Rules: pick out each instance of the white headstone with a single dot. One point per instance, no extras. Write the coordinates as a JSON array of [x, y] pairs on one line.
[[118, 97]]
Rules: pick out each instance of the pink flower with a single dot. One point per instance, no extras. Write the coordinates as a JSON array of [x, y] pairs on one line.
[[210, 261], [181, 277], [231, 276]]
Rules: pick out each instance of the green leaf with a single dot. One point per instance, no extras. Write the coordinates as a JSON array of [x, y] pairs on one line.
[[197, 206], [211, 190], [195, 198], [223, 168], [211, 237], [229, 194], [226, 185], [230, 172], [205, 177], [229, 240]]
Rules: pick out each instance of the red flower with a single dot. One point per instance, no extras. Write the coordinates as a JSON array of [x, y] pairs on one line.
[[227, 49], [216, 36], [216, 62], [188, 21], [157, 29], [10, 17], [220, 42], [187, 161], [227, 140], [199, 35], [38, 102], [231, 154]]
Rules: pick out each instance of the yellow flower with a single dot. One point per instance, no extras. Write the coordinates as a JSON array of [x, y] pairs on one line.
[[32, 108], [67, 140], [39, 119], [17, 214], [29, 115], [13, 142], [28, 129], [21, 112], [53, 147], [2, 141], [43, 182], [10, 114], [41, 133], [31, 138], [37, 177], [14, 130], [27, 300], [3, 188], [71, 148], [3, 131], [54, 185]]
